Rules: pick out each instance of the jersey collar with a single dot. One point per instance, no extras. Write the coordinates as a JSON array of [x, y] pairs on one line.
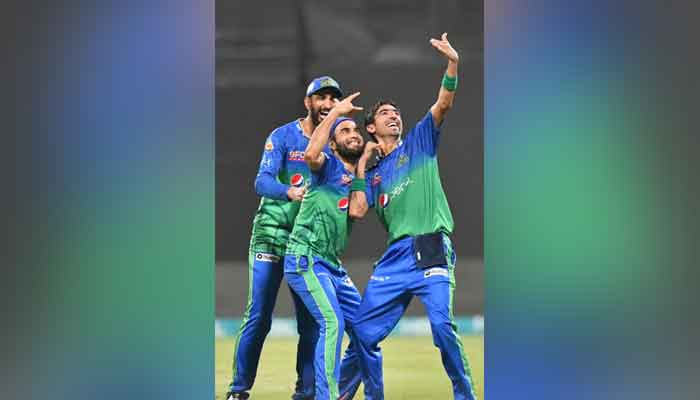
[[380, 158]]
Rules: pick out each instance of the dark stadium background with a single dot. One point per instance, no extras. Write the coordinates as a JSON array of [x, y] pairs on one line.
[[267, 52]]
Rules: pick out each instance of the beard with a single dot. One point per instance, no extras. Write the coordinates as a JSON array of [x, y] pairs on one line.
[[351, 155], [316, 116]]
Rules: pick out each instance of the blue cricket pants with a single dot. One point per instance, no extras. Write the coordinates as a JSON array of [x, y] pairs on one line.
[[332, 300], [394, 282], [264, 279]]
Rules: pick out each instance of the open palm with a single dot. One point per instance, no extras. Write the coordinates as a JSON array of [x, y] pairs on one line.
[[444, 47]]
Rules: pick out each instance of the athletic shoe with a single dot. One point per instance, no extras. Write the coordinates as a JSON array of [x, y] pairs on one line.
[[237, 396], [301, 396]]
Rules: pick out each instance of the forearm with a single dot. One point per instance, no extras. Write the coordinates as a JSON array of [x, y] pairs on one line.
[[319, 138], [268, 186], [358, 197], [358, 204], [446, 96]]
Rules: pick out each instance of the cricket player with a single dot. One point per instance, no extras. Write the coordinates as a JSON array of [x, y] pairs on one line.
[[405, 189], [281, 183], [312, 265]]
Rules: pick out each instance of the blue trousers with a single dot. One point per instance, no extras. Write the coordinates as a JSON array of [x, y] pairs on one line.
[[394, 282], [332, 300], [264, 279]]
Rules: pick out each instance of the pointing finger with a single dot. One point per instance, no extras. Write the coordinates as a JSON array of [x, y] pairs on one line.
[[352, 96]]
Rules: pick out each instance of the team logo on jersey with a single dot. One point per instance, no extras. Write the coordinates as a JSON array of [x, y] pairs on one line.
[[346, 179], [403, 159], [266, 257], [376, 180], [343, 204], [297, 180], [383, 200], [268, 145], [295, 156]]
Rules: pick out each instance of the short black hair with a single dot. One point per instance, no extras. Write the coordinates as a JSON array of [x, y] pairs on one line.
[[369, 116], [372, 112]]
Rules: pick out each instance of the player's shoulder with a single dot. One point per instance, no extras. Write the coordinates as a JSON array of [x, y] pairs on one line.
[[426, 122], [282, 130], [284, 134]]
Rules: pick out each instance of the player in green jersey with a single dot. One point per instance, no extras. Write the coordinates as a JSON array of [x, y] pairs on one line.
[[312, 265], [406, 192], [281, 183]]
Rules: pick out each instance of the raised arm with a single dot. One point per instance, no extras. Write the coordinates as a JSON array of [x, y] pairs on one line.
[[313, 154], [449, 82], [358, 196]]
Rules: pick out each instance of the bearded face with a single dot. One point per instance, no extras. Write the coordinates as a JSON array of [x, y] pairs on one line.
[[350, 153], [347, 141], [319, 105]]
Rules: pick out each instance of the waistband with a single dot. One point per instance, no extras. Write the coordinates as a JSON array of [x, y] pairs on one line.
[[407, 240]]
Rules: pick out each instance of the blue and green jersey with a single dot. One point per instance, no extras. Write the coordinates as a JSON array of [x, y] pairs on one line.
[[323, 226], [282, 165], [405, 188]]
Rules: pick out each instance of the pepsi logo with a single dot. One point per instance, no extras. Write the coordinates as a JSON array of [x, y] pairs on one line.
[[297, 180], [343, 204], [384, 200]]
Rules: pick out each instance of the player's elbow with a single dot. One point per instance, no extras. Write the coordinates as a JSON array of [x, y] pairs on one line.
[[445, 104], [259, 186], [314, 163], [357, 212], [441, 107], [263, 183], [310, 156]]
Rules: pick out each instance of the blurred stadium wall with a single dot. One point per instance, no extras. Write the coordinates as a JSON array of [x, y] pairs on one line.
[[266, 53]]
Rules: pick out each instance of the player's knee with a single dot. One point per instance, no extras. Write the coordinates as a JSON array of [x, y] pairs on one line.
[[331, 326], [340, 326], [442, 330], [364, 336], [442, 325], [265, 325]]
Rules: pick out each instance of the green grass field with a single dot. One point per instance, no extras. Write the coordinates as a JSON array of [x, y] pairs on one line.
[[412, 368]]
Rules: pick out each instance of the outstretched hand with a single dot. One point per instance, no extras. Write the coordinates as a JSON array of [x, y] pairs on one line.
[[345, 106], [444, 47]]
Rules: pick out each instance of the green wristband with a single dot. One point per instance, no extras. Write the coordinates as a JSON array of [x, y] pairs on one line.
[[358, 185], [449, 83]]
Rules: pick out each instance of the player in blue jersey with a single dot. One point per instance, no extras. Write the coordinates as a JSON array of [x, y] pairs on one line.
[[405, 190], [313, 267], [281, 183]]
